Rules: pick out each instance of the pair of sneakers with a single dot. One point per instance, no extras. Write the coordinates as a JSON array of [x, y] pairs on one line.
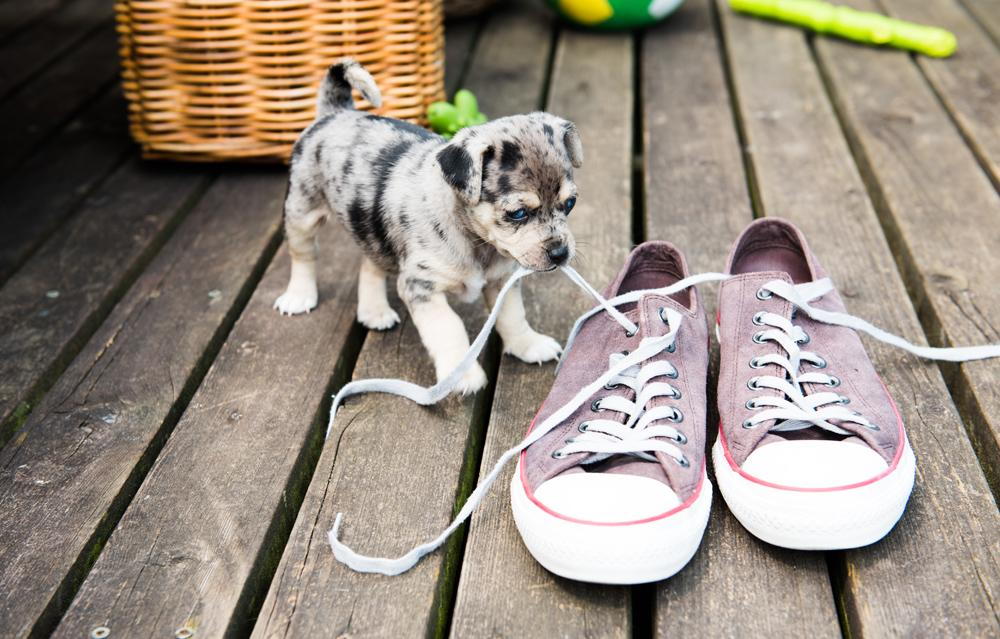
[[811, 451], [611, 484]]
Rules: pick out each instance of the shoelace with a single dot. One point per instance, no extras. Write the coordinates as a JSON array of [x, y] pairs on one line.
[[648, 348]]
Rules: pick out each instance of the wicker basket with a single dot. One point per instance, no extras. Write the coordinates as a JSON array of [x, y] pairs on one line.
[[236, 79]]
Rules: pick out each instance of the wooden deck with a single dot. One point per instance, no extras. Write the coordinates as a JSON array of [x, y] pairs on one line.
[[163, 468]]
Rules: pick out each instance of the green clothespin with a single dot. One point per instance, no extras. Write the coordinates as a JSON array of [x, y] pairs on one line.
[[861, 26], [448, 119]]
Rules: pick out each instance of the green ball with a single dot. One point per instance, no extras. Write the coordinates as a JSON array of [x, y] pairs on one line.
[[614, 14]]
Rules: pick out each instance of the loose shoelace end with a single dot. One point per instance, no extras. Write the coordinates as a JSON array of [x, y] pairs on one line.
[[361, 563]]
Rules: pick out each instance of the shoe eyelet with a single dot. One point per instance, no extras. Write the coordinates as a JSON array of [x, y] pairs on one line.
[[677, 417], [755, 363], [583, 427], [752, 383], [609, 386], [558, 454], [834, 382], [758, 318], [631, 333], [872, 427], [663, 318], [751, 404], [681, 439], [844, 400], [684, 462], [626, 353], [820, 364], [674, 374], [758, 337], [672, 348], [748, 424], [764, 295], [677, 394], [805, 339], [595, 406]]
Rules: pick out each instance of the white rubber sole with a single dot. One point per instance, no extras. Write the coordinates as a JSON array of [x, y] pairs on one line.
[[611, 554], [817, 520]]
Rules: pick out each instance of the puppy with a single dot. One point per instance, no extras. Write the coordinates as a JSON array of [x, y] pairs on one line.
[[449, 217]]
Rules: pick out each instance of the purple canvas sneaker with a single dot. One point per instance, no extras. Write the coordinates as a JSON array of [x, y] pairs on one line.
[[617, 491], [811, 452]]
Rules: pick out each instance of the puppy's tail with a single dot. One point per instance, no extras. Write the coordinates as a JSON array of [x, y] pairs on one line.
[[335, 92]]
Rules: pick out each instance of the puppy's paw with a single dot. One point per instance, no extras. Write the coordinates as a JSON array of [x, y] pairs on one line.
[[473, 380], [296, 300], [532, 347], [378, 319]]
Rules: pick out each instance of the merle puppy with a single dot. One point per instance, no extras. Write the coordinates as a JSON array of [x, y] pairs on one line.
[[448, 217]]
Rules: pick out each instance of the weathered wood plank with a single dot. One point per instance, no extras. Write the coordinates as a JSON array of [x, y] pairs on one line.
[[696, 196], [50, 307], [987, 12], [49, 187], [969, 82], [46, 102], [34, 48], [503, 591], [71, 471], [234, 468], [947, 540], [458, 45]]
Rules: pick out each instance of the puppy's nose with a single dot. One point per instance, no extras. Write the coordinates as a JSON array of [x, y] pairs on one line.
[[558, 254]]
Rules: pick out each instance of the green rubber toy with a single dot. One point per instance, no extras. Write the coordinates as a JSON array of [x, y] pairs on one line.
[[861, 26], [448, 119]]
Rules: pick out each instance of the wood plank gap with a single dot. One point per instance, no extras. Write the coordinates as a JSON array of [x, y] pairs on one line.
[[638, 185], [461, 37], [986, 15], [59, 348], [15, 17]]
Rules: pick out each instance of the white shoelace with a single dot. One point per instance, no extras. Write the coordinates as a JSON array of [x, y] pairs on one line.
[[627, 369]]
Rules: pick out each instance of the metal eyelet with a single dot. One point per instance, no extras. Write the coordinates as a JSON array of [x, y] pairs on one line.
[[684, 462], [758, 337], [820, 364], [558, 454], [609, 386], [595, 406], [758, 318], [583, 427], [805, 339], [681, 439], [631, 333], [834, 382], [748, 424], [677, 394], [625, 353], [755, 363], [764, 295], [751, 404], [844, 400], [662, 316], [677, 417], [674, 374], [752, 383], [672, 348], [872, 427]]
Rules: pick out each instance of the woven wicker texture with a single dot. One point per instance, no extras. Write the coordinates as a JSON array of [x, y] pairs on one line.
[[236, 79]]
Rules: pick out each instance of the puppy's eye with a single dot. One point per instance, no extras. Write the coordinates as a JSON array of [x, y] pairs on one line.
[[519, 215], [568, 205]]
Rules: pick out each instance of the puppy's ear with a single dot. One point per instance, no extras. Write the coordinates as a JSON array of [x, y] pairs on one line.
[[574, 148], [461, 162]]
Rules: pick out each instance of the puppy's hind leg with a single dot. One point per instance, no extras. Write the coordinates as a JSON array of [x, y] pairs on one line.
[[301, 224], [373, 304]]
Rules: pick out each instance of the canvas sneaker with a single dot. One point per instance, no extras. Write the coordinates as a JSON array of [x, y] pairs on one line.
[[617, 491], [811, 453]]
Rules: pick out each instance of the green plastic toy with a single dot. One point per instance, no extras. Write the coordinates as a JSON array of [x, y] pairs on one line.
[[448, 119], [861, 26], [614, 14]]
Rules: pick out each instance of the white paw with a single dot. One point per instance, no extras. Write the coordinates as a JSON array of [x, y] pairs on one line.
[[473, 380], [295, 301], [378, 319], [533, 347]]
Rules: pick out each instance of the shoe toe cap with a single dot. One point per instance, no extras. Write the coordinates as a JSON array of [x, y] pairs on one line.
[[814, 464], [606, 497]]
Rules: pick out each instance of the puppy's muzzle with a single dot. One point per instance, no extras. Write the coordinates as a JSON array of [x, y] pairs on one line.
[[558, 254]]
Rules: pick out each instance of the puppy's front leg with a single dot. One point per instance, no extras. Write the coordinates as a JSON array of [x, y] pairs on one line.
[[441, 331], [519, 339], [373, 305]]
